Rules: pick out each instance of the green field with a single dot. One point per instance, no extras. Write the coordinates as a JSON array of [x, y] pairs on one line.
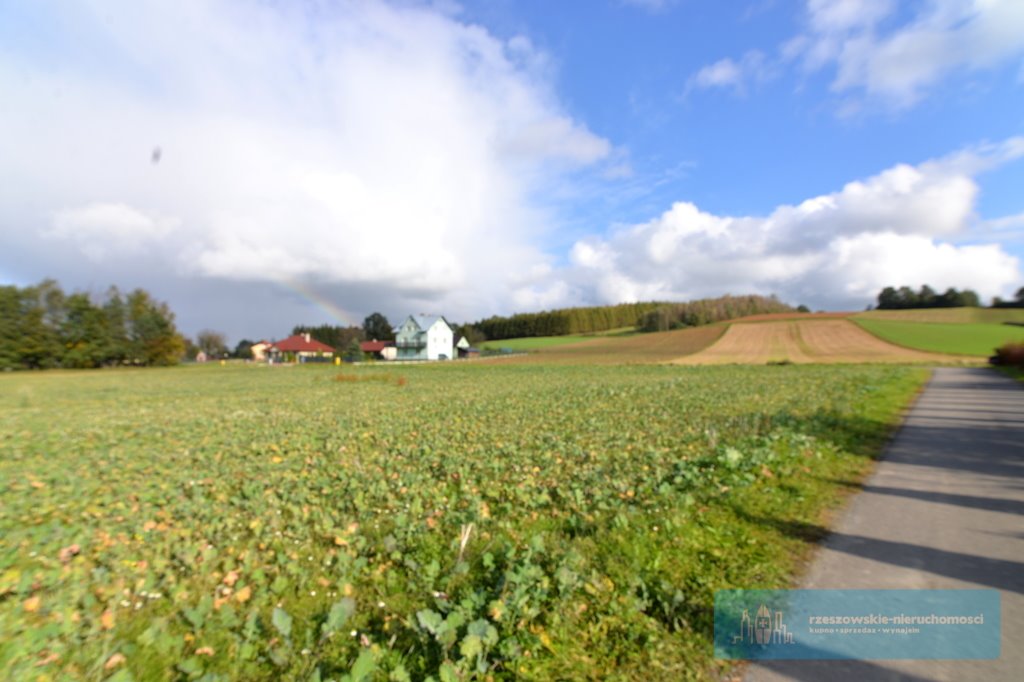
[[534, 342], [447, 522], [961, 339], [948, 315], [540, 342]]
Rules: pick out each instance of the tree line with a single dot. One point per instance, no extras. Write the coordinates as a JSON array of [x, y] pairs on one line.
[[708, 310], [891, 298], [43, 327], [560, 322]]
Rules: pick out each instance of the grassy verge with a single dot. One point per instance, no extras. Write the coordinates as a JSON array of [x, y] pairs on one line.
[[958, 339], [442, 522], [1012, 372]]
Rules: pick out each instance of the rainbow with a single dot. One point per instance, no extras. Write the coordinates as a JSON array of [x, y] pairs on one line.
[[306, 292]]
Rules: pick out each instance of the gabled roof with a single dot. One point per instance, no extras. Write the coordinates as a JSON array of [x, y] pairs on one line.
[[298, 344], [425, 322], [375, 346]]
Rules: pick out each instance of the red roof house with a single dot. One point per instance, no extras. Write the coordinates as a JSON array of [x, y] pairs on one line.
[[382, 350], [301, 345]]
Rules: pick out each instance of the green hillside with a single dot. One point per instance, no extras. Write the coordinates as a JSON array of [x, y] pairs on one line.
[[948, 315], [964, 338]]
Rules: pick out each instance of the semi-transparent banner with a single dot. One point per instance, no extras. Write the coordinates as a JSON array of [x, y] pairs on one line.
[[857, 624]]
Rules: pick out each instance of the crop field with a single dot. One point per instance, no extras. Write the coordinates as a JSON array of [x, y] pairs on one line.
[[650, 348], [964, 339], [820, 341], [539, 342], [534, 342], [779, 317], [454, 522]]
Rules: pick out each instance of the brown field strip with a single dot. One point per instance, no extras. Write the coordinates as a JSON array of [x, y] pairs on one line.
[[820, 341], [779, 317], [640, 348]]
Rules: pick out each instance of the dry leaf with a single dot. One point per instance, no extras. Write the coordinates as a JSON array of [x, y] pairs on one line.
[[204, 651], [68, 553], [31, 604], [46, 658], [114, 661], [107, 620], [243, 594]]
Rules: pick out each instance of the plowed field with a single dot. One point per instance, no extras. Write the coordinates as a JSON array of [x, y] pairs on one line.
[[658, 347], [825, 341]]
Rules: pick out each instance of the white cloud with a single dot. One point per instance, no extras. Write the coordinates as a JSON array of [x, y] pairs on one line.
[[899, 227], [372, 145], [881, 56], [885, 50], [104, 229], [650, 5], [731, 75]]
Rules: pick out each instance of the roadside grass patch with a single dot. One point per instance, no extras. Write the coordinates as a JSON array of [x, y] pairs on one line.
[[486, 522]]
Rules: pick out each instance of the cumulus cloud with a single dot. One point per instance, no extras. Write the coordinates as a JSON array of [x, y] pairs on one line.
[[389, 148], [899, 227]]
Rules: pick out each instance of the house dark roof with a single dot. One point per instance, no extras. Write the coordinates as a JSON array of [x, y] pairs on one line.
[[374, 346], [300, 343]]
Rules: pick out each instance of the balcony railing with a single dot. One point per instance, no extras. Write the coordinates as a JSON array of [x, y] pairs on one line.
[[411, 344]]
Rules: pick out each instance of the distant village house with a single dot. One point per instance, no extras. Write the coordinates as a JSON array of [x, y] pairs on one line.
[[379, 350], [260, 350], [425, 337], [299, 348]]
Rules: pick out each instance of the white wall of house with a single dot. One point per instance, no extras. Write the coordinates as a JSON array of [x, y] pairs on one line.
[[440, 341]]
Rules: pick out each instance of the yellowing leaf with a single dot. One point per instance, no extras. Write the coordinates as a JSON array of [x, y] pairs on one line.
[[31, 604], [114, 661], [243, 594], [107, 620]]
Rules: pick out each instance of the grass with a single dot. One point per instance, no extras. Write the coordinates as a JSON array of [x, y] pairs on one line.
[[540, 342], [656, 347], [475, 521], [980, 339], [534, 342], [947, 315]]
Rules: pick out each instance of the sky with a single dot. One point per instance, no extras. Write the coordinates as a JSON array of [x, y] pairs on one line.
[[263, 164]]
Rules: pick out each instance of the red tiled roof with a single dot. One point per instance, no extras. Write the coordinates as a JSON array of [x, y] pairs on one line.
[[374, 346], [299, 344]]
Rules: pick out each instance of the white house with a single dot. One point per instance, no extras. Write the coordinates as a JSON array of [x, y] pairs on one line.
[[425, 337]]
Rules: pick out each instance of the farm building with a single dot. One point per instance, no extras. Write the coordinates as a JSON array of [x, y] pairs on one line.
[[425, 337], [299, 348], [381, 350], [463, 349]]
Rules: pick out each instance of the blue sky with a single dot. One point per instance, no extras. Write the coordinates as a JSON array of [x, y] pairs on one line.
[[320, 161]]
